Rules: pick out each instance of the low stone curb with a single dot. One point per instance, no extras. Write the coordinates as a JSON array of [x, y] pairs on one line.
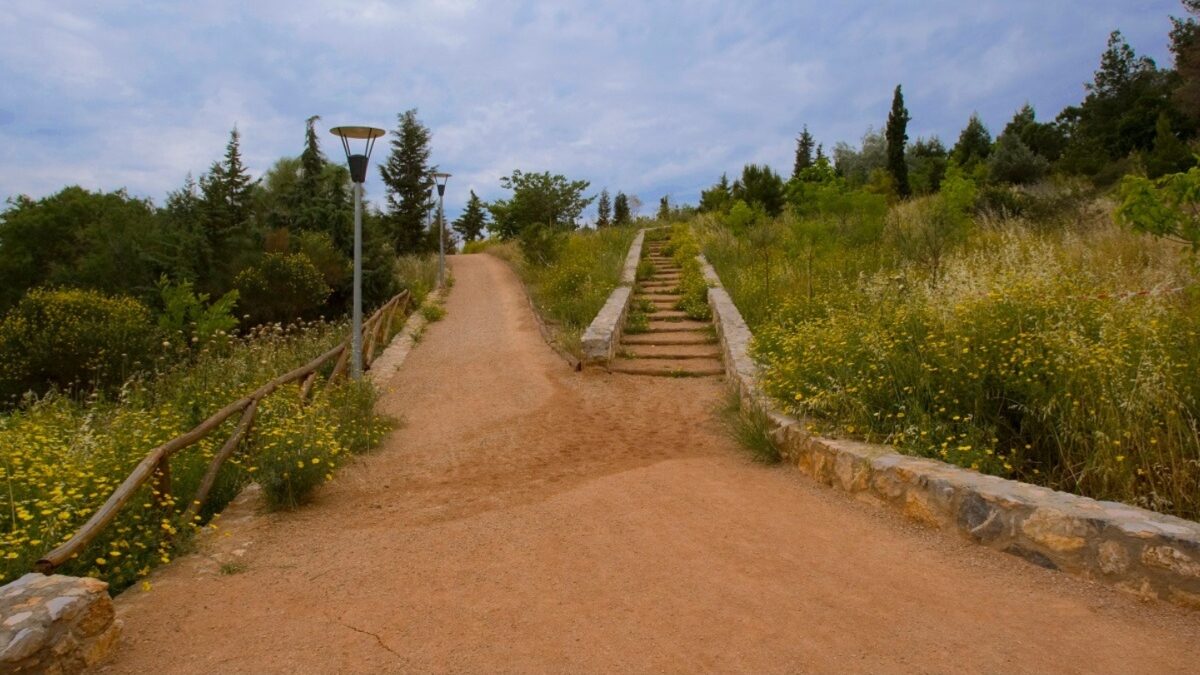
[[600, 340], [386, 364], [55, 624], [1136, 550]]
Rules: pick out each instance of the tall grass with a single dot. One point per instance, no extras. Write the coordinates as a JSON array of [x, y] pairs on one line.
[[570, 291], [63, 457], [1061, 355], [417, 274]]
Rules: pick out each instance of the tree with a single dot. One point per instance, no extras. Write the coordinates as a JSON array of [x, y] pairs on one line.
[[760, 187], [226, 206], [105, 241], [471, 223], [927, 161], [974, 144], [664, 208], [1046, 140], [1185, 45], [1120, 112], [1013, 162], [621, 215], [804, 152], [897, 137], [541, 199], [717, 198], [856, 165], [407, 179], [1168, 207], [604, 210]]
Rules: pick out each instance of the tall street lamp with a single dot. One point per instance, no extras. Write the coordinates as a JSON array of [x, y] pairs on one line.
[[440, 179], [358, 175]]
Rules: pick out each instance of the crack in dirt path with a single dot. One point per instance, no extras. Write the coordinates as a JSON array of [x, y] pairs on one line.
[[531, 519]]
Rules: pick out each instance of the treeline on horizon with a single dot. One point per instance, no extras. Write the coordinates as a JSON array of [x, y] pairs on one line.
[[1136, 118]]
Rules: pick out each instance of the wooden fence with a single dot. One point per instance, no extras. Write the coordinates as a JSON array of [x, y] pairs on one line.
[[157, 465]]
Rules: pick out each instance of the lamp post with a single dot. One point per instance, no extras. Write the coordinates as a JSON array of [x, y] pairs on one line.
[[440, 179], [358, 175]]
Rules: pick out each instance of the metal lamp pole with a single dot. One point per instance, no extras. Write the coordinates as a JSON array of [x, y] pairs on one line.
[[440, 179], [358, 175]]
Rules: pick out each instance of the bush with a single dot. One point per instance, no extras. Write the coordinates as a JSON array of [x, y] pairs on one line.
[[63, 457], [72, 338], [281, 288], [189, 317]]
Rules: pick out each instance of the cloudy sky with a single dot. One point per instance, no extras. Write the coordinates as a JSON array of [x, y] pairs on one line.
[[649, 97]]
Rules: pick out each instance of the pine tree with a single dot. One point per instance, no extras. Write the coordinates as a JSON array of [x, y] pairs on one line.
[[621, 210], [804, 152], [407, 179], [718, 198], [471, 223], [312, 160], [664, 208], [604, 210], [1170, 155], [821, 154], [226, 207], [974, 144], [897, 138]]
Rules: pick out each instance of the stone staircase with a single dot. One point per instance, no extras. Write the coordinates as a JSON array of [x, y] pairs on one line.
[[670, 344]]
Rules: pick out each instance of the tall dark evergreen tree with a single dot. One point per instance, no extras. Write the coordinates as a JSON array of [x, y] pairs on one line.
[[821, 153], [897, 139], [226, 207], [621, 215], [312, 160], [407, 180], [760, 186], [664, 208], [471, 223], [604, 209], [804, 152]]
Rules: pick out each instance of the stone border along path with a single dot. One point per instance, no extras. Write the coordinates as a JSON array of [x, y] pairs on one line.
[[670, 344], [1150, 554], [600, 340]]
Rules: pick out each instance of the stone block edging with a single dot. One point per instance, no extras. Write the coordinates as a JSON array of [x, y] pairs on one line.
[[55, 624], [1150, 554], [394, 355], [602, 336]]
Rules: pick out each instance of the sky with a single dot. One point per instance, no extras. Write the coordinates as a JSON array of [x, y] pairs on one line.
[[651, 98]]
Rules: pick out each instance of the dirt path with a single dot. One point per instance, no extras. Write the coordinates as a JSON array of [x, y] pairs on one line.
[[530, 519]]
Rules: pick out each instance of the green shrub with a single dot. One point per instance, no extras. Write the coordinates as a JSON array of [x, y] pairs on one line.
[[189, 317], [282, 288], [692, 286], [418, 275], [72, 338]]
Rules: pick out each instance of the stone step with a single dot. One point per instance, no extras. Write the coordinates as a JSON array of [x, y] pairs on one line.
[[668, 367], [660, 288], [701, 351], [664, 304], [660, 314], [674, 338], [673, 326], [673, 297]]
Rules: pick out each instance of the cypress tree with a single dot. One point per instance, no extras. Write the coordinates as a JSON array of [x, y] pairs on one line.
[[664, 208], [604, 210], [407, 180], [897, 138], [804, 152]]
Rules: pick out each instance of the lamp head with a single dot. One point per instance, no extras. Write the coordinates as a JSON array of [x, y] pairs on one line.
[[358, 161], [440, 178]]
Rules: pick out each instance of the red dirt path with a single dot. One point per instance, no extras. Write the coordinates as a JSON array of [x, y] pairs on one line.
[[531, 519]]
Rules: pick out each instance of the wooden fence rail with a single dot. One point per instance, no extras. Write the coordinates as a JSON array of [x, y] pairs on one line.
[[156, 465]]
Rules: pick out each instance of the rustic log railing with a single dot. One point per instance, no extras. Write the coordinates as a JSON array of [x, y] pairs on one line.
[[156, 465]]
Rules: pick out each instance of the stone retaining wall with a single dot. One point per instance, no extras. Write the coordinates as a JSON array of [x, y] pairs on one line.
[[55, 624], [602, 336], [1146, 553]]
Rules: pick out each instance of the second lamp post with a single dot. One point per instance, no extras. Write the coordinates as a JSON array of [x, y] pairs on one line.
[[440, 179]]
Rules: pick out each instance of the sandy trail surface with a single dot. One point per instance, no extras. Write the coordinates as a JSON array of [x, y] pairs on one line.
[[526, 518]]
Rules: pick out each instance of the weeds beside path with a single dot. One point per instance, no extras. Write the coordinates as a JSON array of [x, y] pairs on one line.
[[527, 518]]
